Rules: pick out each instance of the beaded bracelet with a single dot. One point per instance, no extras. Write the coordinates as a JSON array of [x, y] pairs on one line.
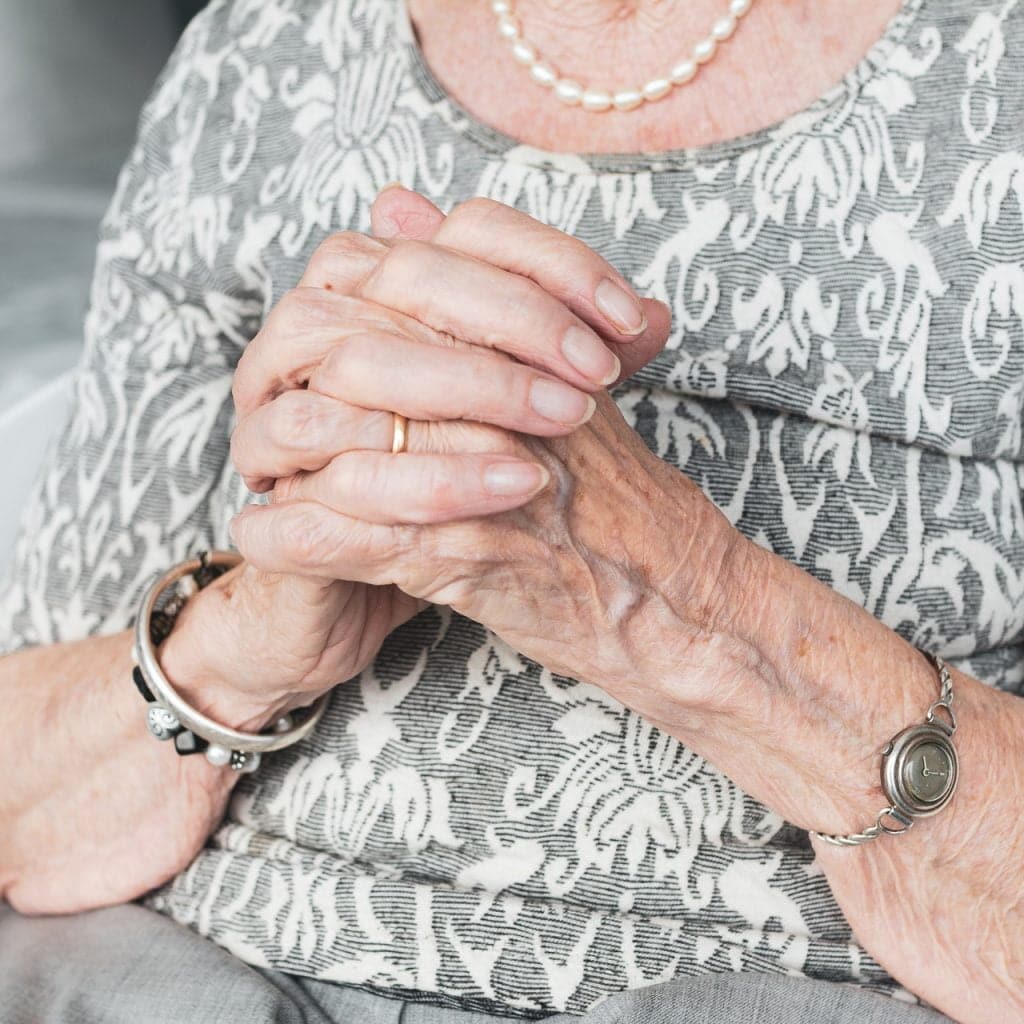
[[168, 716]]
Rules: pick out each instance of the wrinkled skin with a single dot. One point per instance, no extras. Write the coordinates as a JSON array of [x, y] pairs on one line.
[[562, 578], [307, 393]]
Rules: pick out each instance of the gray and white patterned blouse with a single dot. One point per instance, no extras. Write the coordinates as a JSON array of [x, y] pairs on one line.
[[845, 379]]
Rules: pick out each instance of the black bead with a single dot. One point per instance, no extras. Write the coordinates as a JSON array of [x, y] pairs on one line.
[[206, 574], [140, 685], [189, 743], [160, 626]]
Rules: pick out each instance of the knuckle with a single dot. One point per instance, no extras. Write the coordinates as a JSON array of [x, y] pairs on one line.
[[441, 487], [297, 421], [495, 380], [248, 382], [300, 308], [360, 473], [239, 451], [287, 309], [241, 390], [476, 209], [285, 488], [564, 258], [345, 363], [397, 263], [586, 267], [358, 351], [341, 243], [339, 250], [524, 299], [309, 541]]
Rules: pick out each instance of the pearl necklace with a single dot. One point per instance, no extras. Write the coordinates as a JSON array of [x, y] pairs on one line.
[[570, 92]]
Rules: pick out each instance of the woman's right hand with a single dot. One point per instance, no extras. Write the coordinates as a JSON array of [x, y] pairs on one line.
[[310, 387]]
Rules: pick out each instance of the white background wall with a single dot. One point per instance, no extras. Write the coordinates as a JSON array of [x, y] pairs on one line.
[[74, 72]]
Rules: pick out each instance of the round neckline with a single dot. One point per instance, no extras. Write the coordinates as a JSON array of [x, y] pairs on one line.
[[812, 118]]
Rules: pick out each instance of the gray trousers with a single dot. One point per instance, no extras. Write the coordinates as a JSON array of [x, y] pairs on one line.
[[130, 965]]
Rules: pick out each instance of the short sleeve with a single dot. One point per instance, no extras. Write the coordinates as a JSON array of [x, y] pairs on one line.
[[139, 476]]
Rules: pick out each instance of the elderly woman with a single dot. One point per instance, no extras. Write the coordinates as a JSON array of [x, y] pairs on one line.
[[643, 533]]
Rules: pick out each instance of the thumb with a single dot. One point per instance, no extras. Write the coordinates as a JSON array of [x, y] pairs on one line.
[[399, 212]]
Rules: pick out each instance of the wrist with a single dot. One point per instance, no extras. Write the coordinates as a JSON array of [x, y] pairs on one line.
[[762, 656], [707, 612], [833, 684], [205, 659]]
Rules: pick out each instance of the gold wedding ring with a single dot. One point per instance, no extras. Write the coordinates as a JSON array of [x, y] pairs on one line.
[[401, 433]]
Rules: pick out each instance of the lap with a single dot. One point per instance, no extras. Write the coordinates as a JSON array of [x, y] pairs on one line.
[[760, 998], [128, 964]]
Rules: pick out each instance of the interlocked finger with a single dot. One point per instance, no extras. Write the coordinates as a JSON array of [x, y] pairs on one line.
[[408, 488], [427, 382], [302, 329], [302, 431], [490, 307]]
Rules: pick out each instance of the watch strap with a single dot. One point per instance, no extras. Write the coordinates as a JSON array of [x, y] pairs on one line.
[[914, 788]]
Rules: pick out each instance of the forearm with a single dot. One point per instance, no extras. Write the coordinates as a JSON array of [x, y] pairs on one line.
[[813, 687], [93, 810]]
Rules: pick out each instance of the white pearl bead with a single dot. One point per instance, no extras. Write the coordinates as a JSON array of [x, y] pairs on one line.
[[508, 27], [656, 88], [523, 52], [544, 74], [218, 755], [284, 723], [683, 72], [705, 50], [595, 100], [723, 28], [569, 91], [251, 764], [737, 8], [627, 99], [501, 6]]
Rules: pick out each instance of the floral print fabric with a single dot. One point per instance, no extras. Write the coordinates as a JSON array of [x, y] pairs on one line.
[[844, 378]]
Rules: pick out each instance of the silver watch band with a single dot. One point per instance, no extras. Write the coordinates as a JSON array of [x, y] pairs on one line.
[[915, 788]]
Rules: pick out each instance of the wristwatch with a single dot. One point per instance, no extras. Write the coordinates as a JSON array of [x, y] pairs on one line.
[[919, 770]]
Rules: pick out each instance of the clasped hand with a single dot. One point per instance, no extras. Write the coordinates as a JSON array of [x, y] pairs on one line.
[[524, 500]]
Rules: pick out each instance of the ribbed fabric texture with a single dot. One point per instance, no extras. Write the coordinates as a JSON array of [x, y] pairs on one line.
[[844, 379]]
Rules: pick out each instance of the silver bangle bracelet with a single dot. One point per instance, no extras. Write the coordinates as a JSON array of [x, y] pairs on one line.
[[913, 788], [168, 715]]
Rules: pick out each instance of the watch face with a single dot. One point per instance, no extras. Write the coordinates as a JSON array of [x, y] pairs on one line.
[[927, 772], [919, 772]]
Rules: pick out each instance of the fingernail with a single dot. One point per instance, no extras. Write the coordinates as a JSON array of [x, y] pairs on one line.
[[623, 309], [391, 184], [515, 478], [559, 402], [590, 355]]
